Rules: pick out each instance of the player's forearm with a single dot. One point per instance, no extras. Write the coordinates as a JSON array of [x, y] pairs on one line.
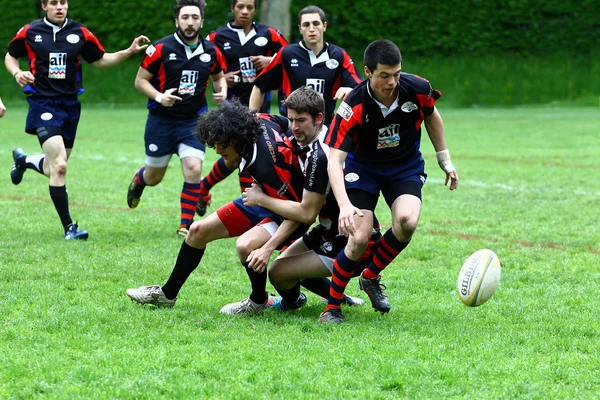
[[335, 170], [11, 64], [256, 99], [286, 228], [293, 210], [145, 87], [111, 59]]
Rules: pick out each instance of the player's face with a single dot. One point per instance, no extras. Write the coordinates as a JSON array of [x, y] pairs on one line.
[[56, 11], [228, 153], [243, 12], [304, 127], [312, 28], [384, 81], [189, 23]]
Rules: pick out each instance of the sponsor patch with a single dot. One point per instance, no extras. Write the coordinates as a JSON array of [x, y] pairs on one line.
[[318, 85], [332, 64], [389, 136], [204, 57], [73, 39], [187, 84], [351, 177], [58, 66], [261, 41], [150, 50], [409, 107], [345, 111], [247, 70]]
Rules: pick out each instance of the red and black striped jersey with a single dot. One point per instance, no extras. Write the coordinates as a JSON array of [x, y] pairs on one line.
[[274, 162], [175, 65], [361, 129], [237, 47], [54, 55], [296, 65]]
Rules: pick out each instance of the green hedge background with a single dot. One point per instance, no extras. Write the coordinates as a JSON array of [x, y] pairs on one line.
[[477, 52]]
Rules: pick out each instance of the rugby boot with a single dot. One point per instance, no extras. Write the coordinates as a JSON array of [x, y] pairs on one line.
[[203, 203], [18, 169], [73, 233], [374, 289], [150, 295], [332, 316], [134, 192]]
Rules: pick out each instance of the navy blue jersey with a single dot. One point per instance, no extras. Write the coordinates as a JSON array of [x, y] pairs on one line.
[[54, 55], [176, 66], [361, 129], [274, 163], [295, 66], [237, 47]]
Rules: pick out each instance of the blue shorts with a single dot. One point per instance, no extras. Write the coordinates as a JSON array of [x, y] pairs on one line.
[[52, 116], [391, 179], [164, 135]]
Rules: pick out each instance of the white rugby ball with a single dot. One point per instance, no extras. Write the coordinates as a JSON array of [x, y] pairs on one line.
[[478, 278]]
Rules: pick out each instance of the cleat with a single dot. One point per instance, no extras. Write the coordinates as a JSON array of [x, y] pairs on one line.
[[374, 289], [183, 231], [134, 193], [18, 169], [73, 233], [150, 295], [352, 301], [332, 316], [245, 306], [273, 301], [283, 305], [203, 203]]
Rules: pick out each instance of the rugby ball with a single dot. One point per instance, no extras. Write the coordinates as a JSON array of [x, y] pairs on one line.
[[478, 278]]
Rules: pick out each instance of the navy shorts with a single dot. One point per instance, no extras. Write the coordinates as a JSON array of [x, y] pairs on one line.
[[365, 181], [164, 135], [52, 116]]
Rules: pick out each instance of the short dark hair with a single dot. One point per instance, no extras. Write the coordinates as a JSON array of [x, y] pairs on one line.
[[184, 3], [305, 99], [234, 2], [311, 10], [382, 52], [231, 124]]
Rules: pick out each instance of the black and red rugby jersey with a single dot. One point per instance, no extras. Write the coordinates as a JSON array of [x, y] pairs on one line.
[[296, 65], [274, 162], [176, 66], [361, 129], [237, 47], [54, 55]]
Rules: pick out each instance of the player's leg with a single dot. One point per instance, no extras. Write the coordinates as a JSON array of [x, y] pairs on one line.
[[191, 166], [212, 228], [220, 170]]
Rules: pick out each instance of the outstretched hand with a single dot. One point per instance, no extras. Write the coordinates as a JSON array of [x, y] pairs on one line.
[[136, 45], [346, 225]]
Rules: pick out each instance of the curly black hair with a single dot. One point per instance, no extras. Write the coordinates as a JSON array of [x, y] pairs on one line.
[[232, 124]]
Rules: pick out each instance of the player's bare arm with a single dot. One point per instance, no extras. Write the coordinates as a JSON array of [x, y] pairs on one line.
[[2, 108], [110, 59], [435, 129], [260, 62], [341, 93], [256, 99], [259, 259], [219, 87], [143, 85], [305, 211], [23, 78]]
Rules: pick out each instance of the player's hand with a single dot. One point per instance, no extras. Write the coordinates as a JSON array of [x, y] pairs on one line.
[[259, 259], [260, 61], [168, 99], [232, 78], [341, 93], [453, 178], [219, 97], [2, 109], [346, 224], [136, 45], [24, 78], [252, 195]]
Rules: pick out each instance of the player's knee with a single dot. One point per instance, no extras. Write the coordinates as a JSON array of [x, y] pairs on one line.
[[405, 225], [357, 244], [243, 248], [59, 168], [198, 234]]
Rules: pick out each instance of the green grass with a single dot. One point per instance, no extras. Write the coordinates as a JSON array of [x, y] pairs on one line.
[[529, 191]]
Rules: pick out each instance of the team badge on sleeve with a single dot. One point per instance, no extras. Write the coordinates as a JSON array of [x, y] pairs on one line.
[[345, 111], [150, 50]]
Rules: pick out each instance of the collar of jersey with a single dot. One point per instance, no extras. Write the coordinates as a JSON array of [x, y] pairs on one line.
[[188, 51], [384, 109], [56, 28]]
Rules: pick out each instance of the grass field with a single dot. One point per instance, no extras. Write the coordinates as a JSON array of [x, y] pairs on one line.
[[529, 190]]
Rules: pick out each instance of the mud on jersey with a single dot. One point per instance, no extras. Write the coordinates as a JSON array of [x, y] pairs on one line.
[[237, 47], [360, 128], [295, 66], [176, 66], [53, 54]]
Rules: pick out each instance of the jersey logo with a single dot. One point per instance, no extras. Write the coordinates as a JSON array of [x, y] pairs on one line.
[[351, 177], [46, 116], [332, 63], [205, 57], [409, 107], [261, 41], [38, 38], [389, 137], [326, 247], [226, 46], [187, 84], [247, 70], [58, 66], [293, 62], [345, 111], [318, 85], [150, 50], [72, 38], [172, 56]]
